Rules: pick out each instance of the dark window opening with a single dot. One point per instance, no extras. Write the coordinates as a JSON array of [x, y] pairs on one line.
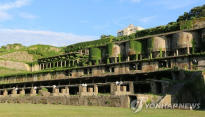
[[162, 64], [158, 87], [132, 57], [90, 71], [107, 69], [139, 66], [104, 89], [112, 69], [73, 90], [142, 88], [85, 71], [132, 67], [66, 73]]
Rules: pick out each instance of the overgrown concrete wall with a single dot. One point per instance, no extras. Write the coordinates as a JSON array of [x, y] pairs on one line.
[[14, 65], [110, 101]]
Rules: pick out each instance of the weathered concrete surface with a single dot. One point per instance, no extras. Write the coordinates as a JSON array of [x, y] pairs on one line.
[[184, 39], [110, 101], [14, 65]]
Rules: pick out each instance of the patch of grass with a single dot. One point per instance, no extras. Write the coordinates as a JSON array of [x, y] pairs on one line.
[[35, 110]]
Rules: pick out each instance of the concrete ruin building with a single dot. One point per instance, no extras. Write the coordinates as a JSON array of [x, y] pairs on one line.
[[113, 71], [129, 30]]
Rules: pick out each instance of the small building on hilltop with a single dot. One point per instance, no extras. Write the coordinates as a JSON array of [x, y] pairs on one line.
[[129, 30]]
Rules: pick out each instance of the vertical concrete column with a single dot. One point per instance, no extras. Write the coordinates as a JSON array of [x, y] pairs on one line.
[[43, 65], [55, 90], [188, 52], [84, 89], [57, 64], [111, 87], [117, 87], [32, 92], [177, 52], [46, 65], [22, 92], [39, 66], [61, 63], [90, 90], [165, 53], [67, 90], [65, 63], [95, 88], [131, 87], [50, 65], [140, 57], [124, 88], [167, 64], [128, 58], [14, 92], [115, 59], [5, 93]]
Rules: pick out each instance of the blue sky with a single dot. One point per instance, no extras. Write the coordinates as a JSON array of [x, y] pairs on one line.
[[64, 22]]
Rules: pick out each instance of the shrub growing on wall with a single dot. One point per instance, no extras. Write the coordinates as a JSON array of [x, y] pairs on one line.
[[94, 54], [109, 49]]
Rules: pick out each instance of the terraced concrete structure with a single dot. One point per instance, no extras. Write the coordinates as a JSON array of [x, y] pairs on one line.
[[153, 68]]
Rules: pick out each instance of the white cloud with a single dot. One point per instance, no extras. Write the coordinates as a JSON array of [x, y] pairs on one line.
[[147, 19], [16, 4], [28, 16], [31, 37], [4, 16]]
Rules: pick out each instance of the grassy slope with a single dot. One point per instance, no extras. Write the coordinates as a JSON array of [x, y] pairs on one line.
[[36, 51], [4, 71], [29, 110]]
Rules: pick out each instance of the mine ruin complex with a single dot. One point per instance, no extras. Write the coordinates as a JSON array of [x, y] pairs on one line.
[[123, 69]]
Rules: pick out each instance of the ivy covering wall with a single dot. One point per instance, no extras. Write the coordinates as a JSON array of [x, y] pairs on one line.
[[109, 49], [88, 44], [95, 54], [136, 46]]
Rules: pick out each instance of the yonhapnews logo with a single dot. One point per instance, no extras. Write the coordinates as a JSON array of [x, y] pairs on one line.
[[137, 106]]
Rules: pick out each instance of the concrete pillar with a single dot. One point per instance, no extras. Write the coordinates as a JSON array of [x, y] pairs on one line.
[[95, 88], [131, 87], [61, 63], [111, 87], [124, 88], [57, 64], [39, 66], [67, 89], [43, 65], [167, 64], [55, 90], [22, 92], [140, 57], [5, 93], [32, 92], [65, 63], [14, 92], [84, 89], [188, 50], [165, 53], [90, 89], [177, 52], [128, 58], [118, 88], [50, 65], [115, 59]]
